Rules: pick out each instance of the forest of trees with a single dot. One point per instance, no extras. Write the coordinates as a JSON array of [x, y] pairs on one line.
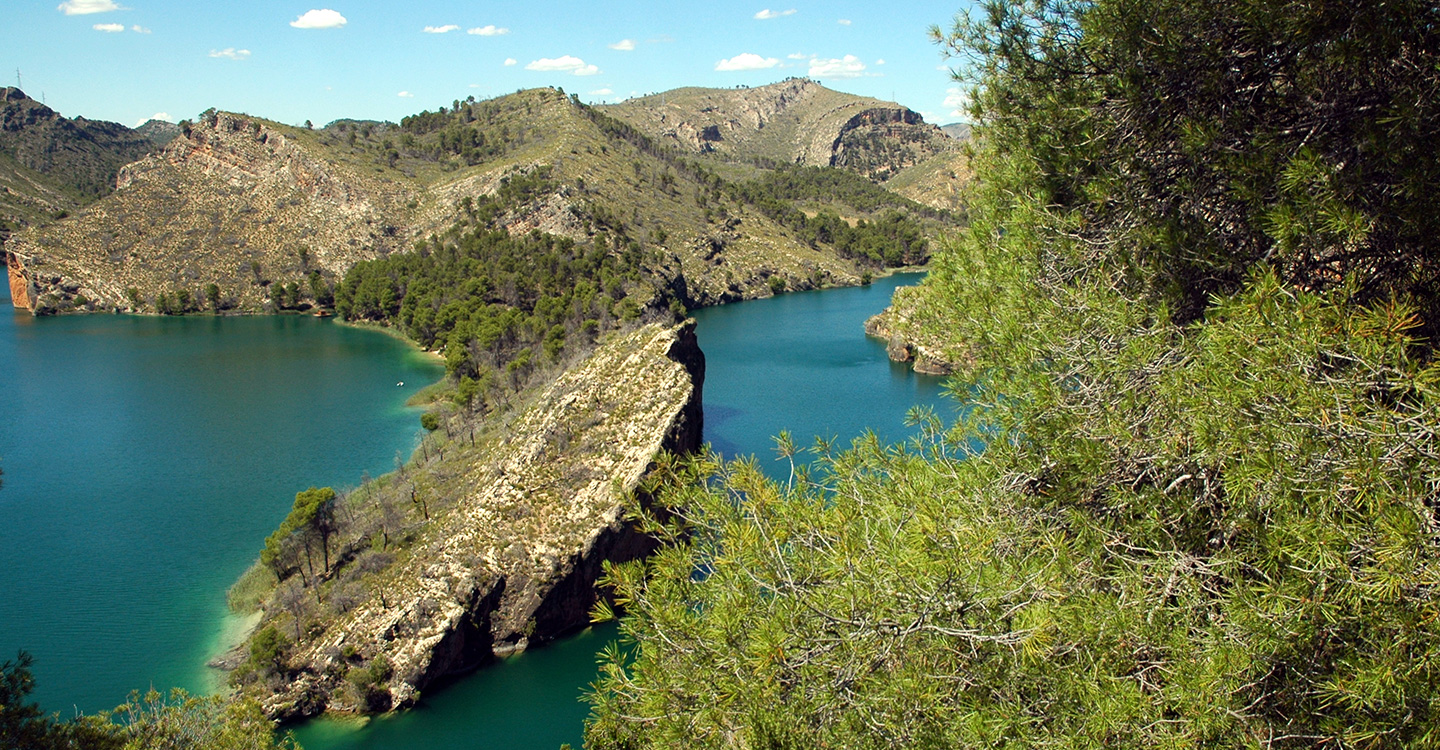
[[501, 305], [1195, 499]]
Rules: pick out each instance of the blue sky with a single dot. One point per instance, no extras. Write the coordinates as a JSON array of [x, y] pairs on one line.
[[126, 60]]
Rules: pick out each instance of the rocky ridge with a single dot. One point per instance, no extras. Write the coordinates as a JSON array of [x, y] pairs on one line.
[[513, 562], [236, 201], [795, 121], [242, 203]]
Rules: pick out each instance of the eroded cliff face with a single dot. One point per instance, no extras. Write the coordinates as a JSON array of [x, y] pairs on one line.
[[19, 285], [513, 563], [796, 121], [909, 331], [237, 202]]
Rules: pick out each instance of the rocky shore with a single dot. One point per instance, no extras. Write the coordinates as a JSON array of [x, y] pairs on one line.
[[513, 562]]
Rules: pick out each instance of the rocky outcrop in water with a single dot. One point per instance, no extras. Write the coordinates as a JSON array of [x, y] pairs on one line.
[[513, 563], [909, 340]]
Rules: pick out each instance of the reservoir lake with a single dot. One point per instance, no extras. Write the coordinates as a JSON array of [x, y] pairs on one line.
[[147, 458]]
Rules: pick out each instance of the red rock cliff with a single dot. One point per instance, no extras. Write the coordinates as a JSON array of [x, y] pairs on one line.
[[19, 286]]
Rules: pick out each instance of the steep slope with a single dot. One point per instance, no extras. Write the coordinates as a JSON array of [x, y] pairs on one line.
[[516, 527], [235, 202], [245, 204], [794, 121], [50, 165]]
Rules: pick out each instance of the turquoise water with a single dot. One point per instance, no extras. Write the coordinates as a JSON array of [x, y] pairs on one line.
[[799, 362], [147, 458], [145, 461], [802, 362]]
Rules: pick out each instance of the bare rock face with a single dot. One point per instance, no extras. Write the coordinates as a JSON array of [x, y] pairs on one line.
[[907, 340], [797, 121], [514, 562], [236, 201]]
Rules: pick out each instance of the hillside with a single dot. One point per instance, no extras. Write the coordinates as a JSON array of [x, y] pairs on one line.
[[487, 543], [796, 121], [257, 209], [1190, 499], [51, 165]]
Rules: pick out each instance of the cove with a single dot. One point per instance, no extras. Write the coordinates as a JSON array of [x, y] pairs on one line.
[[145, 461], [799, 362]]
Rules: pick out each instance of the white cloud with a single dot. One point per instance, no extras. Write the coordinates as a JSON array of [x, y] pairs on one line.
[[511, 61], [564, 64], [447, 28], [85, 7], [601, 92], [405, 95], [747, 61], [844, 22], [768, 14], [956, 100], [138, 29], [109, 28], [848, 66], [881, 61], [230, 53], [797, 55], [491, 30], [624, 45], [157, 116], [323, 18]]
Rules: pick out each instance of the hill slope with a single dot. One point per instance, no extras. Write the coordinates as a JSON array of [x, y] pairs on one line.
[[796, 121], [245, 204], [50, 164]]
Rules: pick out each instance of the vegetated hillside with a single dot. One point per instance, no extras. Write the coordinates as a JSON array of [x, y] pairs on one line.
[[50, 164], [486, 543], [247, 205], [1195, 498], [796, 121], [236, 202]]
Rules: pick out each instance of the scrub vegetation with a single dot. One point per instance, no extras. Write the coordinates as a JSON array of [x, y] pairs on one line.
[[1196, 502]]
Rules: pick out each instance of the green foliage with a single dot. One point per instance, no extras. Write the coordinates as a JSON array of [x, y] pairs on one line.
[[895, 238], [484, 297], [149, 722], [187, 722], [1192, 502], [430, 421], [368, 682]]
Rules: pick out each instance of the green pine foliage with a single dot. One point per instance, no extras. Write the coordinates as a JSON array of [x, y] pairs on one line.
[[896, 237], [1194, 500]]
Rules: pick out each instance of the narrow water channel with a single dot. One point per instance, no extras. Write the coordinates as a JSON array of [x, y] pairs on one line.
[[798, 362], [146, 458]]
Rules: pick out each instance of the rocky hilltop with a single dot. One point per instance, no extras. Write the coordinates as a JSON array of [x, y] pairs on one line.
[[509, 558], [795, 121], [235, 201], [51, 165], [244, 203]]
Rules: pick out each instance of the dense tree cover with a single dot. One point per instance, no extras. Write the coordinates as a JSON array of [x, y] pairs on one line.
[[1196, 501], [500, 305], [149, 722], [895, 238], [311, 521]]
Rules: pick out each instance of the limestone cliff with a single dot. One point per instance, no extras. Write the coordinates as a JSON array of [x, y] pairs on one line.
[[911, 335], [512, 563], [795, 121]]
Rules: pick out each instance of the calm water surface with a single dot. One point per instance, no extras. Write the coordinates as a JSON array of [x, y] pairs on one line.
[[798, 362], [146, 459]]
